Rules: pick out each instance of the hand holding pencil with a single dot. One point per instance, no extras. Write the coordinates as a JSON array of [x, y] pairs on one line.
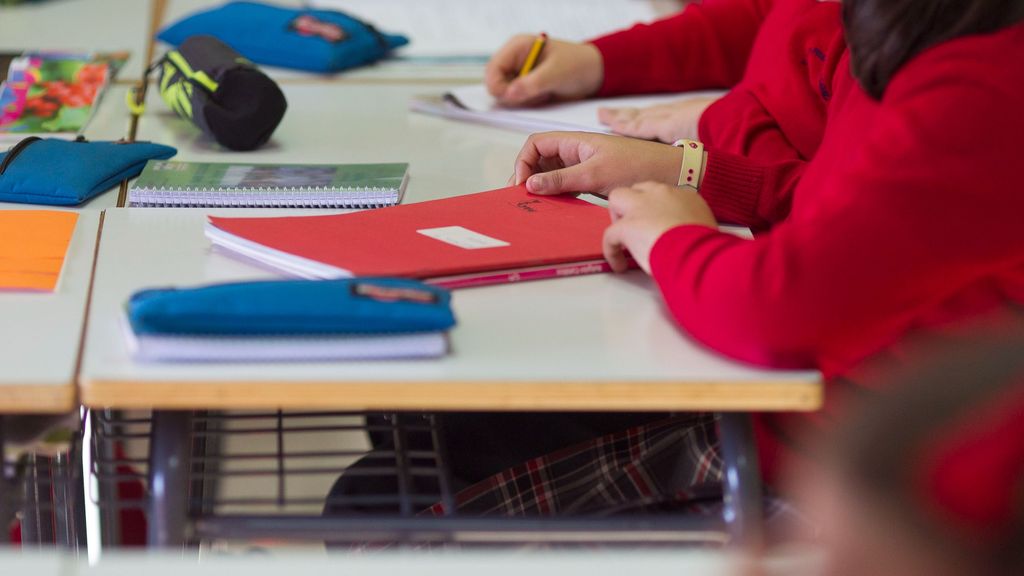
[[534, 54], [531, 70]]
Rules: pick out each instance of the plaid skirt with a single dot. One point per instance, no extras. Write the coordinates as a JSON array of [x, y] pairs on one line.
[[669, 465], [672, 465]]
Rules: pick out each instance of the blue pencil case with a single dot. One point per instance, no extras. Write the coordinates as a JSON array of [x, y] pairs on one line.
[[294, 307], [314, 40], [66, 173], [290, 320]]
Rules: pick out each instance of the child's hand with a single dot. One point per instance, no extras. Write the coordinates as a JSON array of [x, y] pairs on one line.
[[571, 162], [565, 71], [642, 213], [663, 122]]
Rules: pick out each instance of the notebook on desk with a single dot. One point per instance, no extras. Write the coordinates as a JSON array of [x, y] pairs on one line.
[[494, 237], [52, 94], [475, 104], [209, 184], [33, 246]]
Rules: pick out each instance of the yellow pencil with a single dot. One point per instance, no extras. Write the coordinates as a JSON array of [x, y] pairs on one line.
[[531, 58]]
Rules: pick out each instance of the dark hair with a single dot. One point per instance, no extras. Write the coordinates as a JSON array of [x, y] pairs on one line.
[[883, 35]]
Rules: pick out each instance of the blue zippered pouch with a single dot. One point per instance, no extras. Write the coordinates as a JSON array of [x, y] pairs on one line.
[[65, 173], [314, 40], [350, 306]]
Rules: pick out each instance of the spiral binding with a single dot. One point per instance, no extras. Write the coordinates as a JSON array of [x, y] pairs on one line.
[[251, 197]]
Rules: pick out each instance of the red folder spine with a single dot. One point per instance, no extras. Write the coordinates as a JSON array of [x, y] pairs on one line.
[[521, 275]]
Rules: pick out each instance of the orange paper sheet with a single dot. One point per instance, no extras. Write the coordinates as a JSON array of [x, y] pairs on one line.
[[33, 244]]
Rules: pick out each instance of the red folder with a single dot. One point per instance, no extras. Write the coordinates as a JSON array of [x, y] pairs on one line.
[[504, 235]]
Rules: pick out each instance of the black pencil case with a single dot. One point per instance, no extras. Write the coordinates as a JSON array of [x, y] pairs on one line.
[[222, 93]]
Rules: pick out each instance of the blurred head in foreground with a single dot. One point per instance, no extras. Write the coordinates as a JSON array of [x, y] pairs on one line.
[[928, 479]]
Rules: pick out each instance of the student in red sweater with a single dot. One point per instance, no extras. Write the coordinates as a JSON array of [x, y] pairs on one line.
[[775, 54], [845, 272], [777, 57], [905, 221]]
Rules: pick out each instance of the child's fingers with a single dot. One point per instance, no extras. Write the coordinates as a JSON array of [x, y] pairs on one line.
[[613, 248], [559, 145], [647, 125], [528, 160], [532, 89], [649, 186], [496, 81], [609, 116], [537, 87], [644, 124], [621, 201], [549, 163], [504, 65], [576, 178], [523, 171]]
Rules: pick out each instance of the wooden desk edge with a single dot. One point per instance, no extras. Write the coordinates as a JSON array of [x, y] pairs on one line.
[[37, 399], [768, 396]]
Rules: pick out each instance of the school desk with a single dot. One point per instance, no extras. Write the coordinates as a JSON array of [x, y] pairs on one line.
[[39, 350], [40, 335], [40, 332], [601, 342], [367, 123]]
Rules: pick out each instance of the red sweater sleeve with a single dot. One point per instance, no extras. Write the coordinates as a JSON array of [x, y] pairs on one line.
[[704, 46], [755, 195], [913, 211]]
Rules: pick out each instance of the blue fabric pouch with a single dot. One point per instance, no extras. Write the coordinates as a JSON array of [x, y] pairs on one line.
[[351, 306], [65, 173], [314, 40]]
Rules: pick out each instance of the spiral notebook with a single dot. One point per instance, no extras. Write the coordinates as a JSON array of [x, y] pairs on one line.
[[210, 184]]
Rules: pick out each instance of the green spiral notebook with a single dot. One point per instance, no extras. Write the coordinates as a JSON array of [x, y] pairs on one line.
[[212, 184]]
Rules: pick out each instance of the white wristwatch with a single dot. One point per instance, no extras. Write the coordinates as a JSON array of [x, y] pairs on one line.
[[693, 163]]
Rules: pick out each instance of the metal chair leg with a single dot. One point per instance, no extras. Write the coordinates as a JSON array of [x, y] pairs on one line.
[[742, 490], [169, 460]]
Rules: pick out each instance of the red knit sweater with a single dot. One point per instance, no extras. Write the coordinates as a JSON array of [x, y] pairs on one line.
[[778, 58], [907, 219]]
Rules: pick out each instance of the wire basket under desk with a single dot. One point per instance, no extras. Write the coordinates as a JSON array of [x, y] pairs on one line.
[[270, 476]]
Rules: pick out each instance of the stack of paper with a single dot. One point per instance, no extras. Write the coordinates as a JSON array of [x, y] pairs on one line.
[[475, 104]]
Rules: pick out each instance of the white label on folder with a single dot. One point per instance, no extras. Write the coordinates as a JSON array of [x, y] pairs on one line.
[[462, 237]]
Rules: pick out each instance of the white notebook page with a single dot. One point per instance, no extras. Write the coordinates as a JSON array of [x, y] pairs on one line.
[[478, 105]]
